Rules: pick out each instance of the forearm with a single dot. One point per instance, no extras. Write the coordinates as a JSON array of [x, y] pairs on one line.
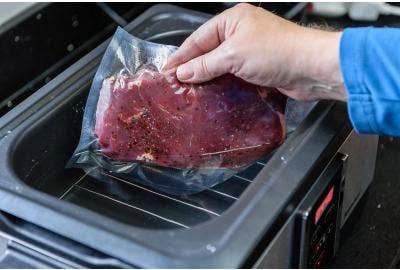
[[315, 65], [360, 66]]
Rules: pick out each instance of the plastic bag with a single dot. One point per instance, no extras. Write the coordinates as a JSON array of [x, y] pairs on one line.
[[143, 125]]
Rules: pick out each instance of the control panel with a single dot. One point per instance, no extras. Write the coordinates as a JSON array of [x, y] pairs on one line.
[[317, 222]]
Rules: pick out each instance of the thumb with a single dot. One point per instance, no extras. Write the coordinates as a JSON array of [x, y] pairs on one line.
[[207, 66]]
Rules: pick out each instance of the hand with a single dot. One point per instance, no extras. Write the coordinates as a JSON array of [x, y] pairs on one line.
[[263, 49]]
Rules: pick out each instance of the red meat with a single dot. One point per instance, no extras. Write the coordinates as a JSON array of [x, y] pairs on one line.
[[152, 117]]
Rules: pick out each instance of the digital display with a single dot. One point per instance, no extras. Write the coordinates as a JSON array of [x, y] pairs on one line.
[[321, 208]]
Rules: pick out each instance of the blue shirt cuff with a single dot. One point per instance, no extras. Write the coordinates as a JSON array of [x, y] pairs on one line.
[[360, 104]]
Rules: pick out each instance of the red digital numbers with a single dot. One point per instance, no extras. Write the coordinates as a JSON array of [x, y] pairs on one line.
[[327, 200]]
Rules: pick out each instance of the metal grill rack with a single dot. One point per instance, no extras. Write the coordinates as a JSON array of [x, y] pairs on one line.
[[138, 205]]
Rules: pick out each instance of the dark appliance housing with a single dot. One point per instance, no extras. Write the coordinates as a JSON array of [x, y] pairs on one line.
[[262, 217]]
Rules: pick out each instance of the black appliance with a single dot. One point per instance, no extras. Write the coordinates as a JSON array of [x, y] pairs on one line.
[[284, 211]]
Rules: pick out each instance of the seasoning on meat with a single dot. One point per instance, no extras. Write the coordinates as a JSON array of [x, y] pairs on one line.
[[152, 117]]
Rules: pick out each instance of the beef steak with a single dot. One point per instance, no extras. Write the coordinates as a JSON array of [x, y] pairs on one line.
[[152, 117]]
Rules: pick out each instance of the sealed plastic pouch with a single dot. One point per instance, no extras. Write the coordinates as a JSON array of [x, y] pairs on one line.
[[142, 125]]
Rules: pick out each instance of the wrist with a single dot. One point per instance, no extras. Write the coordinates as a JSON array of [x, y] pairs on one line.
[[317, 64]]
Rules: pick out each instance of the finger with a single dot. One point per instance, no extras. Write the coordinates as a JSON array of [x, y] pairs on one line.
[[204, 39], [208, 66]]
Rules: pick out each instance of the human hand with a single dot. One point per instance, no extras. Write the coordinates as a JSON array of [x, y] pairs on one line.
[[263, 49]]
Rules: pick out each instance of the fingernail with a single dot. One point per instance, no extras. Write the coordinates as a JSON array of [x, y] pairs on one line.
[[185, 72]]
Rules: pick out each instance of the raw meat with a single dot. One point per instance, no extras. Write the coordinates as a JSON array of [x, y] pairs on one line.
[[152, 117]]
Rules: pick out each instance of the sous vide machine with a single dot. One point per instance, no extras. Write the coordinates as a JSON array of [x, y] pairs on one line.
[[286, 210]]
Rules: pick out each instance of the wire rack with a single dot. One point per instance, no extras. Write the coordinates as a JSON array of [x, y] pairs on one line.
[[138, 205]]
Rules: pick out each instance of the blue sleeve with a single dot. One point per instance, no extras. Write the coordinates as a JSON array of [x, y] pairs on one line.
[[370, 64]]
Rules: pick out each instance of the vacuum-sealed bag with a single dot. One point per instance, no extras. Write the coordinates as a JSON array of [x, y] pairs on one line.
[[143, 125]]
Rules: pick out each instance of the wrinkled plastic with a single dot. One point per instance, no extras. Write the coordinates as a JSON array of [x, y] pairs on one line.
[[141, 124]]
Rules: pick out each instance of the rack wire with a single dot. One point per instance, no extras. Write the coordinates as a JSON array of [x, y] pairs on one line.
[[139, 205]]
